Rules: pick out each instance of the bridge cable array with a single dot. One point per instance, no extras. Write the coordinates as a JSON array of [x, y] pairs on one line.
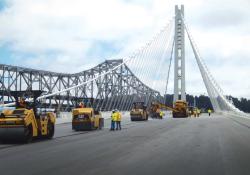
[[219, 102]]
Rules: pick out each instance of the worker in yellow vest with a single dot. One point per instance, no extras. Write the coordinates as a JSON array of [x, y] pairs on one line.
[[118, 120], [161, 115], [113, 120], [198, 112], [195, 113], [209, 111]]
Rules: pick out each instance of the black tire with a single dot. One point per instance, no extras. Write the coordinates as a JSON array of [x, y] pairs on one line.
[[101, 123], [50, 130], [28, 134], [91, 126]]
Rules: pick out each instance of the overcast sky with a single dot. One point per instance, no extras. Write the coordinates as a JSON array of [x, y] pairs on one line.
[[73, 35]]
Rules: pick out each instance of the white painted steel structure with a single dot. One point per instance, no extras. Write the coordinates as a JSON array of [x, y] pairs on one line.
[[179, 55]]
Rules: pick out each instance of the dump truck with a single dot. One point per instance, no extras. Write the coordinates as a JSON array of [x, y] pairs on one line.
[[180, 109], [23, 123], [139, 112], [86, 119]]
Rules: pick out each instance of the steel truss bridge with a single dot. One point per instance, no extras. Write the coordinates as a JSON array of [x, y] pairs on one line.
[[112, 84], [115, 90]]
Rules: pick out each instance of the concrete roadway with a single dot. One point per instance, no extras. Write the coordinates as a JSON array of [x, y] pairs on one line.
[[206, 145]]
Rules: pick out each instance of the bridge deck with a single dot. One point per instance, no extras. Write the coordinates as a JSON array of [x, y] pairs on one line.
[[215, 145]]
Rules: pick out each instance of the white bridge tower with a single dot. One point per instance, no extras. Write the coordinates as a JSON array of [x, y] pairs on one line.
[[179, 52]]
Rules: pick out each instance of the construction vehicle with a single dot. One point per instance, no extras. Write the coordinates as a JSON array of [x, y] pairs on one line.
[[180, 109], [86, 118], [23, 123], [155, 110], [139, 112]]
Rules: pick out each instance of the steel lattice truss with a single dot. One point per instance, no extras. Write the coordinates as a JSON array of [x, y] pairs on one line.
[[117, 89]]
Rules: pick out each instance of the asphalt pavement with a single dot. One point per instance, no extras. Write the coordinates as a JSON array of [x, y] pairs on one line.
[[206, 145]]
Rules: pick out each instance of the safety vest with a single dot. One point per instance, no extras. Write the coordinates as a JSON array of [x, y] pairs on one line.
[[161, 114], [209, 111], [114, 117], [119, 116]]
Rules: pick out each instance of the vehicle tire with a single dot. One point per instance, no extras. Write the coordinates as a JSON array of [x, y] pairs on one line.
[[50, 130], [101, 123], [92, 126], [28, 134]]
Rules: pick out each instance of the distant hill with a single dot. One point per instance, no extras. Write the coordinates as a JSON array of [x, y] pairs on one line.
[[243, 104], [203, 102]]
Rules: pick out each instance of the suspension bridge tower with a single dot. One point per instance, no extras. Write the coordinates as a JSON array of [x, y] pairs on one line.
[[179, 58]]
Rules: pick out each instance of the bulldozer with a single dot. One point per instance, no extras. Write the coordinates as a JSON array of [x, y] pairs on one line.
[[139, 112], [86, 118], [23, 123]]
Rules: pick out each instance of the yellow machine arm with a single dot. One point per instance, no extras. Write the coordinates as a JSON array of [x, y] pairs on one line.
[[162, 106]]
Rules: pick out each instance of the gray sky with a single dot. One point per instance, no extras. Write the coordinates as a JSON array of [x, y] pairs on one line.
[[73, 35]]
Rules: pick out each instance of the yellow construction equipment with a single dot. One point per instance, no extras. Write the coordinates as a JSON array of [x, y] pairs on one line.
[[180, 109], [86, 119], [139, 112], [155, 110], [24, 124]]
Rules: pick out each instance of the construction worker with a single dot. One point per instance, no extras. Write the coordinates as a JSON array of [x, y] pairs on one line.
[[190, 113], [22, 103], [195, 113], [161, 114], [118, 120], [81, 105], [198, 112], [113, 120], [209, 112]]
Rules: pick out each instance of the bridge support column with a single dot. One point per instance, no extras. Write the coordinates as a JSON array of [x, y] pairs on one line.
[[179, 68]]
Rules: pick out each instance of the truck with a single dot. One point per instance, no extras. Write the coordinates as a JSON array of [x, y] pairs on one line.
[[24, 123], [139, 112]]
